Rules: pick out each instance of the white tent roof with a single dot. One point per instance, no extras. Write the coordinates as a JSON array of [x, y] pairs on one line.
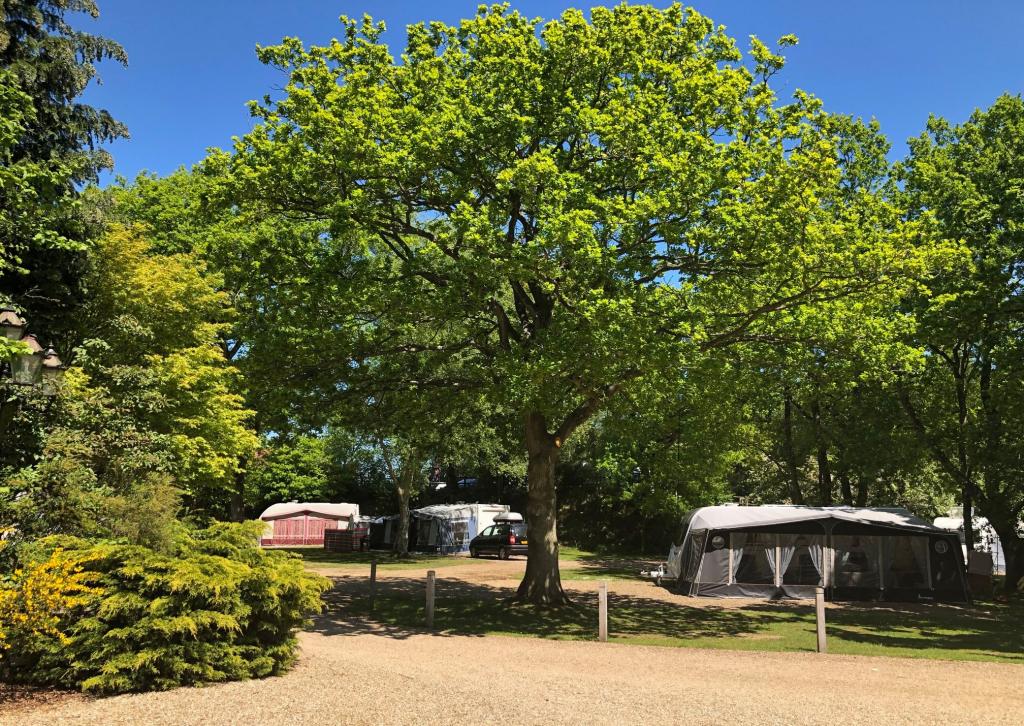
[[318, 509], [455, 511], [734, 517]]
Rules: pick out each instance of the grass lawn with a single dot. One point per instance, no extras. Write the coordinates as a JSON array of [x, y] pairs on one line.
[[991, 632], [317, 557]]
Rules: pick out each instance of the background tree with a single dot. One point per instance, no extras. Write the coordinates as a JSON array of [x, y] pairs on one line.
[[967, 404], [45, 65], [149, 399], [576, 209]]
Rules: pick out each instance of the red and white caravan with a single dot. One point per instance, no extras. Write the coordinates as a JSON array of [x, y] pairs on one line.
[[303, 523]]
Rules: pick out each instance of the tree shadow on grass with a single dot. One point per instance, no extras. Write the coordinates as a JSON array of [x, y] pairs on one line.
[[470, 609], [994, 629], [595, 566], [464, 608]]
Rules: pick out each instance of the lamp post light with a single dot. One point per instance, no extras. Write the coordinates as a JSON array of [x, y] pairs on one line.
[[39, 368], [12, 324]]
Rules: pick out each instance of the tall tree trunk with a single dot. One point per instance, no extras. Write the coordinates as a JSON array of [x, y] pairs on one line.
[[237, 504], [963, 461], [846, 488], [542, 583], [7, 410], [1013, 546], [824, 469], [862, 491], [403, 486], [789, 451]]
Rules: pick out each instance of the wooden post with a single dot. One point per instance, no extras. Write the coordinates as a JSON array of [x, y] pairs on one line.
[[819, 611], [373, 581], [602, 612], [430, 598]]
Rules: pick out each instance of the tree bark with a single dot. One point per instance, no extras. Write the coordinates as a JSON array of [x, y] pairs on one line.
[[401, 544], [789, 451], [862, 491], [237, 503], [403, 487], [824, 469], [963, 461], [846, 488], [542, 583]]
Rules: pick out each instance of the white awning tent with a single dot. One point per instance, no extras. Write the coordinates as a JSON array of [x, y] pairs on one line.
[[448, 528], [985, 539], [778, 551]]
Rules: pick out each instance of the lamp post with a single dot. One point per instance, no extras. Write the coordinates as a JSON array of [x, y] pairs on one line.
[[38, 368]]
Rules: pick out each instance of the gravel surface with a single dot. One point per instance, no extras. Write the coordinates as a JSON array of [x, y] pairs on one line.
[[350, 673], [377, 679]]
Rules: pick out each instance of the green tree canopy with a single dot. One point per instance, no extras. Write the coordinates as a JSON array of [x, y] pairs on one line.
[[573, 208]]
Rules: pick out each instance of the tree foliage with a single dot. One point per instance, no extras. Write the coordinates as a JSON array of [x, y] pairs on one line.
[[967, 405], [627, 186], [50, 144]]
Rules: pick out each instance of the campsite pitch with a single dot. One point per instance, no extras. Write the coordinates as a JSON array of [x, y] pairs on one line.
[[472, 600]]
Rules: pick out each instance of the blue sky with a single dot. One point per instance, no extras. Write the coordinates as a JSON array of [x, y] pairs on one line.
[[192, 65]]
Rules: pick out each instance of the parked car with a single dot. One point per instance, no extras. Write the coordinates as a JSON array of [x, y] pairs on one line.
[[503, 540]]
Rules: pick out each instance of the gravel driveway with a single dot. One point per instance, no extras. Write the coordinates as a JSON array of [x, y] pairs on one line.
[[349, 674], [377, 679]]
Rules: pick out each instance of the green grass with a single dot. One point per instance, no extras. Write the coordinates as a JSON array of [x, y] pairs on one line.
[[317, 557], [989, 633]]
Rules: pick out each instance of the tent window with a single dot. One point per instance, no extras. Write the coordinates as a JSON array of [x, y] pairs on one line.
[[755, 562], [804, 555], [907, 559], [856, 563], [460, 532]]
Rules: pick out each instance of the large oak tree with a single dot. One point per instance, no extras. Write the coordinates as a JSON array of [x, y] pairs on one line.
[[573, 208]]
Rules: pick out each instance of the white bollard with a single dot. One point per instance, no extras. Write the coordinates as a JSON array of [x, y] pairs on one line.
[[373, 581], [430, 598], [602, 612], [819, 611]]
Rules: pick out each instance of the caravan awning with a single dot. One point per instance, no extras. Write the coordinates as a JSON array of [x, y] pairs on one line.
[[736, 517]]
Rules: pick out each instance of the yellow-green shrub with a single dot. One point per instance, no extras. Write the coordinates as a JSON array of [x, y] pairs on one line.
[[217, 608]]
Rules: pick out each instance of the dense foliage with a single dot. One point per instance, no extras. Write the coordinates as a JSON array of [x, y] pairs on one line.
[[216, 607]]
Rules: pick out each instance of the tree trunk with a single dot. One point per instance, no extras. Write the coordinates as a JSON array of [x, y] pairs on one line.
[[862, 491], [824, 470], [404, 488], [789, 451], [846, 488], [1013, 549], [542, 583], [1014, 564], [237, 504], [966, 484]]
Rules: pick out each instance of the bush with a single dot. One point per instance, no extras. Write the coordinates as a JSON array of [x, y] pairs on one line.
[[33, 600], [217, 608]]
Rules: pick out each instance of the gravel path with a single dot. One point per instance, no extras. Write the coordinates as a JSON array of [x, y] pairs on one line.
[[351, 674], [375, 679]]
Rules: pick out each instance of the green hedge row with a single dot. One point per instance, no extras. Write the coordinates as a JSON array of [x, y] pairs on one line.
[[215, 608]]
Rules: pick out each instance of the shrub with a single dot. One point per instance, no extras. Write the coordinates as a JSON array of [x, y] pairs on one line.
[[216, 608], [33, 600]]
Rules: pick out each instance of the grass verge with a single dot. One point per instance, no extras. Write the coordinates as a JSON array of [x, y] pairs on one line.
[[987, 633]]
